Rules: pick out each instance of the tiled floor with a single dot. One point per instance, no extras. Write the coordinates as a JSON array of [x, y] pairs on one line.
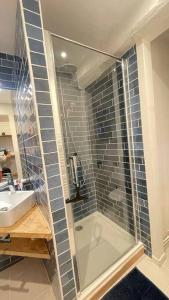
[[159, 275], [26, 280]]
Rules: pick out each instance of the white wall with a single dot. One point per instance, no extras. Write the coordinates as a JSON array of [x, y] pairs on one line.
[[153, 73], [5, 127], [6, 109], [152, 163], [160, 67]]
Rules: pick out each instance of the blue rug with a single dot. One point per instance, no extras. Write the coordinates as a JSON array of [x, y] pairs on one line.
[[135, 286]]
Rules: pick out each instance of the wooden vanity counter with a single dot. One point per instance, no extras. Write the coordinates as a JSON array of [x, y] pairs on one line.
[[29, 236], [31, 225]]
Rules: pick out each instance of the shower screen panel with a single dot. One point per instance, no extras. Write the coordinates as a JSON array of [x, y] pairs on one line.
[[90, 96]]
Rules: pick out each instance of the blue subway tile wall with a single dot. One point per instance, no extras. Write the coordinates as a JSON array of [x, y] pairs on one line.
[[26, 124], [109, 148], [136, 142], [74, 118], [108, 132], [36, 135], [8, 64]]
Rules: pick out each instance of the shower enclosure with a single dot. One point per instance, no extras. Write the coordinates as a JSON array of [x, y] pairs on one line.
[[94, 157]]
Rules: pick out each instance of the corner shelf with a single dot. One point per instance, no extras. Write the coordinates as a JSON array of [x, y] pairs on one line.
[[29, 236], [26, 247]]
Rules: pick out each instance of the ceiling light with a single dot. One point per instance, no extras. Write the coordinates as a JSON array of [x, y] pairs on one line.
[[63, 54]]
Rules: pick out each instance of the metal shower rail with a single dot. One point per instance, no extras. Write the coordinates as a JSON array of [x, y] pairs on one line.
[[85, 46]]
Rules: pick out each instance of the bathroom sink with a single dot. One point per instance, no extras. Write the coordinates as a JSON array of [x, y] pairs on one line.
[[15, 205]]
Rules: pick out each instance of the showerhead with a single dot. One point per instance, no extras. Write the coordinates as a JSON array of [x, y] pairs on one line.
[[69, 68]]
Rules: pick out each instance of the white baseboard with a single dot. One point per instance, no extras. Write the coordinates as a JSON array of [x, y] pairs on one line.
[[166, 241], [160, 260]]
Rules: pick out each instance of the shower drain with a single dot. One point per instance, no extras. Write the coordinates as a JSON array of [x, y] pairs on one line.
[[79, 227]]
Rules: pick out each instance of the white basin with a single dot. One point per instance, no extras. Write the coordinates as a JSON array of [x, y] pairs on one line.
[[14, 206]]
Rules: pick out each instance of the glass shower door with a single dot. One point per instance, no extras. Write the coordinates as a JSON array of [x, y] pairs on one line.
[[93, 119]]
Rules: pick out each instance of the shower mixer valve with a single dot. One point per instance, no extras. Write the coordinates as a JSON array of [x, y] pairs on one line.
[[77, 183]]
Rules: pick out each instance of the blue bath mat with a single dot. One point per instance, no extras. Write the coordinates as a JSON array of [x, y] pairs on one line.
[[135, 286]]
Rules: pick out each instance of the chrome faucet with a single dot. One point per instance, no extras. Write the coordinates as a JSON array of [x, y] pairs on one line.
[[11, 183]]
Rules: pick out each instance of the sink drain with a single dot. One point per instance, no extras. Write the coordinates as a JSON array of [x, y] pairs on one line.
[[79, 227]]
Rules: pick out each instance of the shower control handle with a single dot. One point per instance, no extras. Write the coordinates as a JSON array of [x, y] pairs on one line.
[[77, 198], [72, 200]]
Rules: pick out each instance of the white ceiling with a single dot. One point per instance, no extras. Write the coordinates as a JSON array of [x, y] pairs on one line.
[[105, 24], [102, 24], [89, 64]]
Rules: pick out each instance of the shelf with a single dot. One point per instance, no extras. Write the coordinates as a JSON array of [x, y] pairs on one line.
[[36, 248], [28, 236], [31, 225]]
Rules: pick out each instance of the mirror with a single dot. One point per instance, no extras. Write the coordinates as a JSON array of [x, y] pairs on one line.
[[9, 150], [7, 155]]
